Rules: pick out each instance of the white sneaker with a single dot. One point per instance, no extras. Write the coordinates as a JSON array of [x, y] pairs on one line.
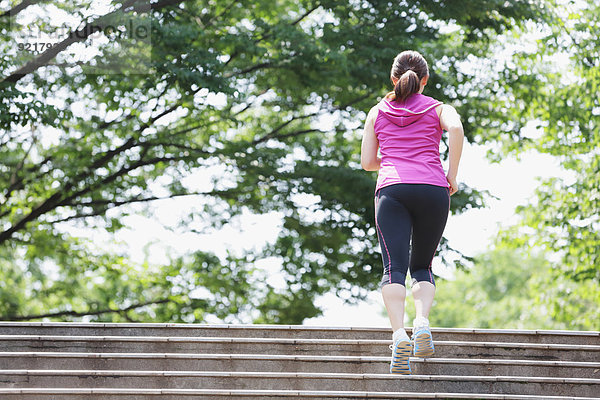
[[401, 350], [422, 340]]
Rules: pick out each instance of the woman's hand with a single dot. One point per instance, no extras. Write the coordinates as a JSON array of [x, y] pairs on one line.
[[453, 184]]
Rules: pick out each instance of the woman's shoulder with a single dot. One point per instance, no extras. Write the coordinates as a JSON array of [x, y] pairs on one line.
[[374, 111], [372, 115], [428, 99], [431, 102]]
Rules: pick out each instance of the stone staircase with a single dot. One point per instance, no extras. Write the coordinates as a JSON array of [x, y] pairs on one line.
[[74, 361]]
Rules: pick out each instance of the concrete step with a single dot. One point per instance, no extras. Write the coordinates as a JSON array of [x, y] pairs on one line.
[[299, 381], [213, 394], [291, 363], [292, 332], [71, 361], [223, 345]]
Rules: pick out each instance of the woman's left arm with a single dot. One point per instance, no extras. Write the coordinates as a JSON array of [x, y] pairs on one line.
[[368, 149]]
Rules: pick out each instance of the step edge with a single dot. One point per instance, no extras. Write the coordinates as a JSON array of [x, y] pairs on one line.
[[286, 393], [291, 357], [219, 339], [289, 327], [299, 375]]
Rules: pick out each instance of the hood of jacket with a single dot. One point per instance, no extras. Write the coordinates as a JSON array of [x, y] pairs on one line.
[[409, 111]]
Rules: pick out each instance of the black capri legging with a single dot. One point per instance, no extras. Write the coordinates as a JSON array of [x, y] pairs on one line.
[[408, 211]]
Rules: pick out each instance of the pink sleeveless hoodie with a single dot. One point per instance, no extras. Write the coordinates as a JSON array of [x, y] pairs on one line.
[[409, 135]]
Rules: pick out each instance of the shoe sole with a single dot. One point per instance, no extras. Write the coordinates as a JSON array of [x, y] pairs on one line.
[[401, 358], [424, 345]]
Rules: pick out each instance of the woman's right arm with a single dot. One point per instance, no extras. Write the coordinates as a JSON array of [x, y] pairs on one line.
[[369, 146], [450, 121]]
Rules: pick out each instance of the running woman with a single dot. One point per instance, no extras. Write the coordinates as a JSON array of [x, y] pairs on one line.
[[412, 196]]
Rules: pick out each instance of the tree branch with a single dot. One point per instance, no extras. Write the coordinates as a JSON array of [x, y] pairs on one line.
[[58, 199], [67, 201], [253, 68], [77, 36], [20, 183], [74, 37], [55, 200], [273, 133], [20, 7], [50, 203], [130, 143], [128, 317], [269, 32], [82, 314], [165, 3], [306, 14], [220, 15], [113, 204], [43, 208], [19, 166], [194, 150], [354, 101]]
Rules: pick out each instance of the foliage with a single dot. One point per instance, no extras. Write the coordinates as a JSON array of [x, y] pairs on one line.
[[563, 106], [270, 93], [509, 289]]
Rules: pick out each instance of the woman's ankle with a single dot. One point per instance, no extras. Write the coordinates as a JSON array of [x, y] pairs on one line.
[[420, 321], [399, 334]]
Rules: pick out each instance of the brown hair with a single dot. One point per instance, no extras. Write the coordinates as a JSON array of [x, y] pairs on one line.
[[409, 68]]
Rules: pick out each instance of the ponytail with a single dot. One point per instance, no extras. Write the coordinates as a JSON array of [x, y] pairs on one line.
[[409, 69], [407, 85]]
